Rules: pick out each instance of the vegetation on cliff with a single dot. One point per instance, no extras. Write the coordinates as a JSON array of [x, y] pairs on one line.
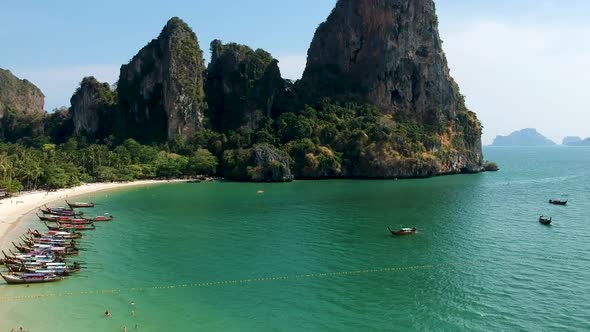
[[19, 96], [241, 86], [376, 103]]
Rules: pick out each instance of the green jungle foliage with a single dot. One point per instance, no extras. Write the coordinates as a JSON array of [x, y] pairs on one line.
[[52, 166]]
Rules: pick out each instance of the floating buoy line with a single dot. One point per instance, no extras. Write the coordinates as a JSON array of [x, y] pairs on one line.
[[210, 284], [226, 282]]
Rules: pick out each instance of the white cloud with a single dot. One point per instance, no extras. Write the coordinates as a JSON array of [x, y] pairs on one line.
[[58, 83], [292, 65], [523, 75]]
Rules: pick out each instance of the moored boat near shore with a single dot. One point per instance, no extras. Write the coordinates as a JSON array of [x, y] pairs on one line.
[[62, 227], [30, 278], [80, 205], [60, 211], [58, 234]]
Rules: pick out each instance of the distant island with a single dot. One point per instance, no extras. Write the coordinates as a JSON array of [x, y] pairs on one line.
[[576, 141], [375, 101], [524, 137], [571, 140]]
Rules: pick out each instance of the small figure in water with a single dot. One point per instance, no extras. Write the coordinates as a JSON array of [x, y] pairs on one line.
[[136, 326], [132, 302], [125, 328], [132, 313], [107, 314]]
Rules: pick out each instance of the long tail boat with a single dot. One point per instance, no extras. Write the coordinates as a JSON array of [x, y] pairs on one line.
[[30, 278], [545, 220], [557, 202], [57, 234], [103, 218], [403, 231], [30, 258], [23, 267], [48, 240], [46, 249], [63, 227], [80, 221], [62, 212], [80, 205]]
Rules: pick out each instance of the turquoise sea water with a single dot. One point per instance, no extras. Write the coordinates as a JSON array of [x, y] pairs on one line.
[[317, 255]]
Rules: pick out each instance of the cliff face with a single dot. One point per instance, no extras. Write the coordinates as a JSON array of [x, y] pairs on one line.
[[241, 85], [19, 96], [389, 53], [90, 103], [161, 90]]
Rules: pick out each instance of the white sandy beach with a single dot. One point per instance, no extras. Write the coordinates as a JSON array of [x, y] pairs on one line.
[[13, 209]]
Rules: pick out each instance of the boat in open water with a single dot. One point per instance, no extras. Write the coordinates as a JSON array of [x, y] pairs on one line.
[[557, 202], [545, 220], [403, 231]]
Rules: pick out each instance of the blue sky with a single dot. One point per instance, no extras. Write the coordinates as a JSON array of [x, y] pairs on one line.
[[519, 62]]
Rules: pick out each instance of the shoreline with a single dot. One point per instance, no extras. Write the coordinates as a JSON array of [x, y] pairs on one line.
[[13, 209]]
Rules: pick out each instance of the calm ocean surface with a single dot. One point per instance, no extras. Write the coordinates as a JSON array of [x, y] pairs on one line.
[[317, 255]]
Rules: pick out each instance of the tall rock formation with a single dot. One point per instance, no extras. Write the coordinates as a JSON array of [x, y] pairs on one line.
[[21, 109], [241, 85], [161, 90], [90, 104], [389, 53], [19, 96]]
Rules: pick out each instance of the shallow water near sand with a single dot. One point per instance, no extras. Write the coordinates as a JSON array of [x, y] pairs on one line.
[[317, 255]]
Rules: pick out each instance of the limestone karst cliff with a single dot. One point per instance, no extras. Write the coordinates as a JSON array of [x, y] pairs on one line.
[[91, 104], [241, 85], [161, 89], [389, 53], [20, 96]]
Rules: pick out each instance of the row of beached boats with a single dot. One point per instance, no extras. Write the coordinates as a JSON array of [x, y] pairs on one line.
[[45, 256]]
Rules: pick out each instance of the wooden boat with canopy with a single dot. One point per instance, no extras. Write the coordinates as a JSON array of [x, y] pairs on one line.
[[30, 278], [77, 221], [63, 227], [56, 234], [61, 211]]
